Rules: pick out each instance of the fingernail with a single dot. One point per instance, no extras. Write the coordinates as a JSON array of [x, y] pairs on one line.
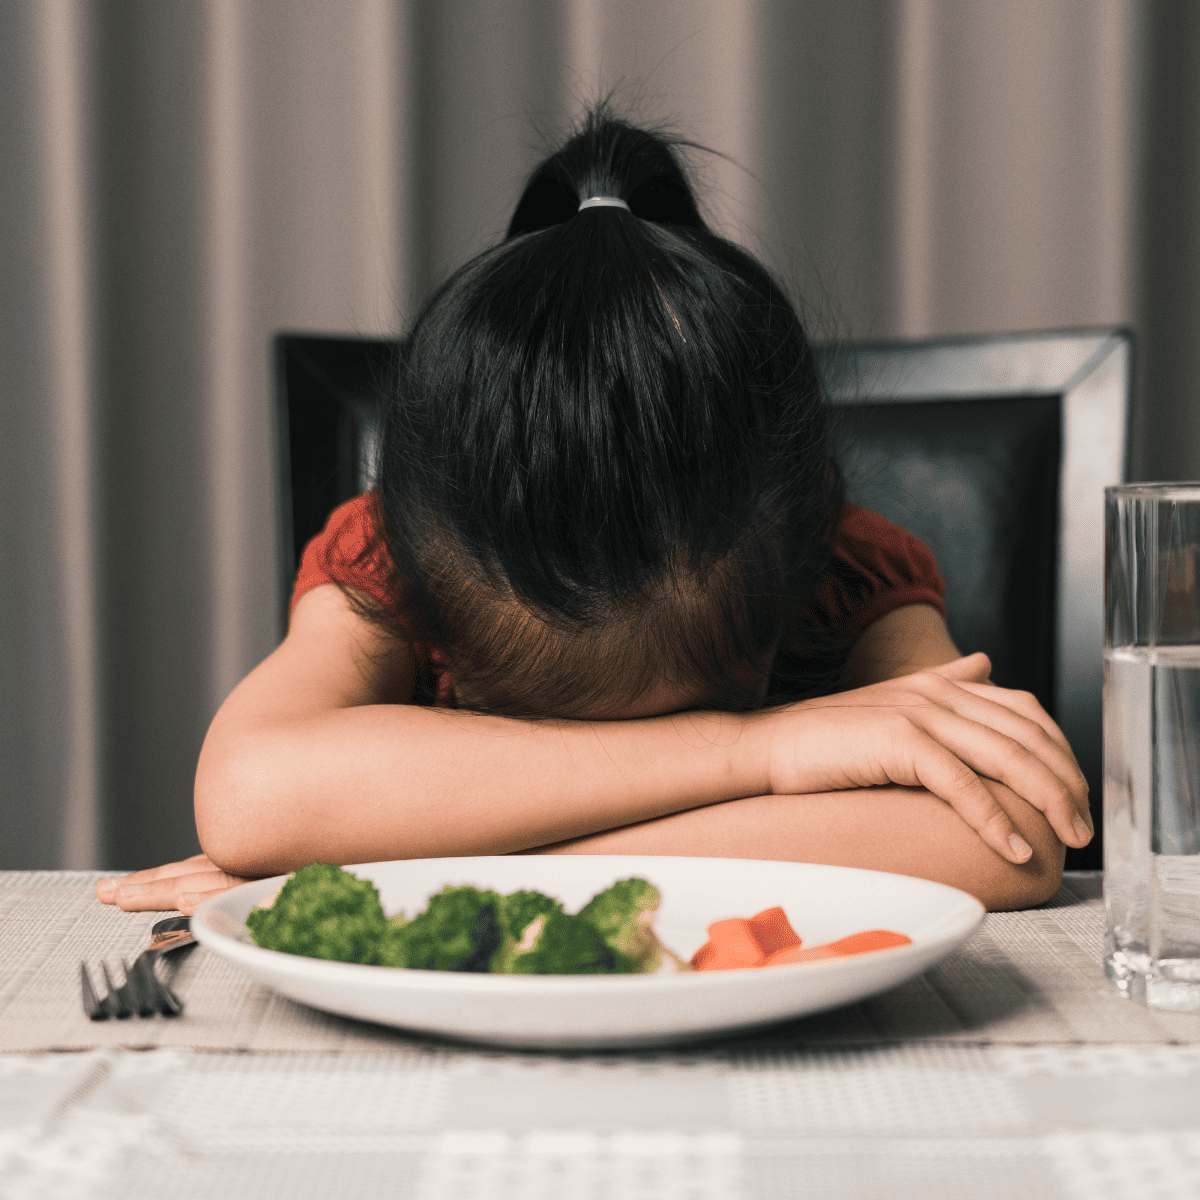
[[1020, 847], [1082, 830], [131, 889], [105, 887], [192, 897]]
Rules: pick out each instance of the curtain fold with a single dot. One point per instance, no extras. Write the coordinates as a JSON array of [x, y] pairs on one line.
[[49, 697], [184, 180]]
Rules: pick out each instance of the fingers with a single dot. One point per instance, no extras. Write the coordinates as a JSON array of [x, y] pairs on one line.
[[964, 675], [971, 668], [1018, 753], [1025, 704], [190, 901], [1029, 715], [1018, 715], [182, 892], [173, 886], [944, 774], [188, 866], [944, 730]]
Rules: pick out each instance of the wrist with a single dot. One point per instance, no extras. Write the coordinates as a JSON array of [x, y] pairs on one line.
[[787, 747], [705, 757], [744, 740]]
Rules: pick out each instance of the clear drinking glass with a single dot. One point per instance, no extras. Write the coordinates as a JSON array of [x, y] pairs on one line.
[[1152, 743]]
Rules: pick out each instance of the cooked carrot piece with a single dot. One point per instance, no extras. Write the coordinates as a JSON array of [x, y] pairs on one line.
[[773, 931], [855, 943], [870, 939], [798, 954], [730, 944], [767, 939]]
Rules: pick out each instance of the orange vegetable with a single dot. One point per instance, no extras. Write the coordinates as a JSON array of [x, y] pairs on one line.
[[739, 942], [767, 939], [730, 944], [856, 943], [773, 932]]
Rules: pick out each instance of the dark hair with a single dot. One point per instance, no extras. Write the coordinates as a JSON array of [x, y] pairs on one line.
[[606, 455]]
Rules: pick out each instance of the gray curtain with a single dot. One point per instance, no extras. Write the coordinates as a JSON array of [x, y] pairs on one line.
[[182, 180]]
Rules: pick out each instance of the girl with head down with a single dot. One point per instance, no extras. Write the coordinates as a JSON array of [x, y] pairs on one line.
[[608, 596]]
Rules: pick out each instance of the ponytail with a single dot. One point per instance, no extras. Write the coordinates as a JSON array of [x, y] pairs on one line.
[[607, 157]]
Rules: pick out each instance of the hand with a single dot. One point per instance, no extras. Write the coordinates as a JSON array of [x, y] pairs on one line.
[[179, 885], [940, 729], [974, 668]]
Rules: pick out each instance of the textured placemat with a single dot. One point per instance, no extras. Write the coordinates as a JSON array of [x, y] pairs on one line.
[[1026, 977], [923, 1122]]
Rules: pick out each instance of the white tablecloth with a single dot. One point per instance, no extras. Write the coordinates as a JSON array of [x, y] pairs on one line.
[[1010, 1071]]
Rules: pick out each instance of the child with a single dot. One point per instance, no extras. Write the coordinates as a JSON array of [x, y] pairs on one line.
[[608, 599]]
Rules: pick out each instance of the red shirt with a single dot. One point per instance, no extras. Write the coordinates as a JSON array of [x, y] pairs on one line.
[[883, 566]]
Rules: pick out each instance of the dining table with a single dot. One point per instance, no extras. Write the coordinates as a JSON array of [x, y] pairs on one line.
[[1011, 1069]]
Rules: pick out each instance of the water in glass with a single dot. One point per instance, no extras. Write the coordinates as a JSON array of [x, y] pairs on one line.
[[1152, 823]]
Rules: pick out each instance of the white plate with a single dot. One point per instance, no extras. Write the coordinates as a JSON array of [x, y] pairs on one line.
[[550, 1011]]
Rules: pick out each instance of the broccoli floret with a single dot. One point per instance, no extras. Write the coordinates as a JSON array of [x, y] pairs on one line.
[[458, 931], [558, 944], [623, 915], [322, 911], [517, 912], [518, 909]]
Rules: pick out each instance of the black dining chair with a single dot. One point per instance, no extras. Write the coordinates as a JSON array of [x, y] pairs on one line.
[[328, 393], [995, 451]]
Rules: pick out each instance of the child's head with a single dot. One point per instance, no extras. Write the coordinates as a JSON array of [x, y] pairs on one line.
[[606, 481]]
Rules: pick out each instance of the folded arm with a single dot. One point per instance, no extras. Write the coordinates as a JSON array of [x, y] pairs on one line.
[[317, 756], [908, 831]]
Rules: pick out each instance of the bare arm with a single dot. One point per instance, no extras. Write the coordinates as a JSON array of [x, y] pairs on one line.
[[905, 640], [317, 756], [908, 831]]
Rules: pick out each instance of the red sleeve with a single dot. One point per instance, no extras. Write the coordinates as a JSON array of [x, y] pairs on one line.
[[349, 551], [877, 567]]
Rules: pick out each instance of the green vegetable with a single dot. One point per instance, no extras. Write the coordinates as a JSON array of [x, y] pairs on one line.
[[326, 912], [459, 931], [623, 915], [322, 912], [518, 911], [559, 944]]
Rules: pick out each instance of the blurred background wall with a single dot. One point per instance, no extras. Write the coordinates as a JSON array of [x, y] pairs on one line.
[[182, 180]]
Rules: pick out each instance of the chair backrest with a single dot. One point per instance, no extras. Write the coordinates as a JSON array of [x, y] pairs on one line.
[[327, 421], [994, 451]]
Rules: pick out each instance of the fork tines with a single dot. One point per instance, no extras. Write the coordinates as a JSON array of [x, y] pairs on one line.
[[142, 993], [91, 1005]]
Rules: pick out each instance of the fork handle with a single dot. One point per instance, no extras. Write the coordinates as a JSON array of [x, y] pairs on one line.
[[170, 934]]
